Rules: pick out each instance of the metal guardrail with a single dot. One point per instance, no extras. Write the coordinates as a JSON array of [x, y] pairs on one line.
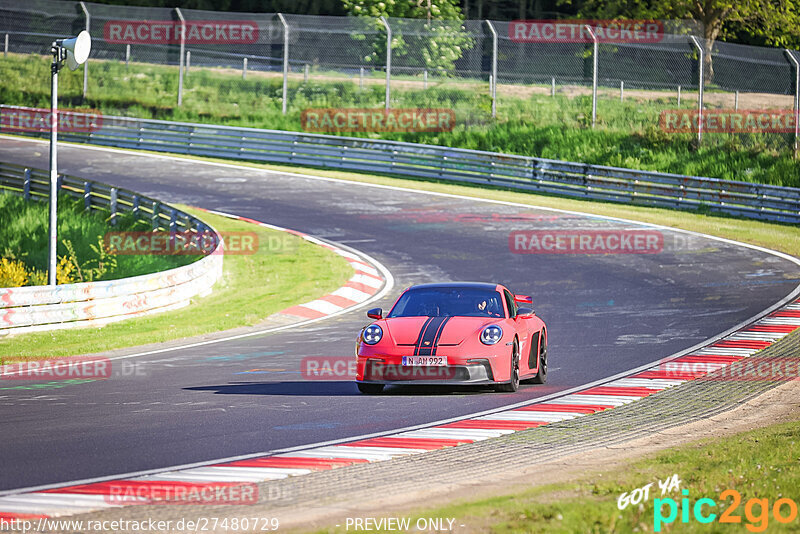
[[36, 308], [744, 199], [35, 184]]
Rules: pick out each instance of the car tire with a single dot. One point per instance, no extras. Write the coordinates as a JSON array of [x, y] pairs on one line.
[[513, 385], [370, 389], [541, 376]]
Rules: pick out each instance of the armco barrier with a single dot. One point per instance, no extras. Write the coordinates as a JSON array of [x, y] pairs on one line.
[[758, 201], [36, 308]]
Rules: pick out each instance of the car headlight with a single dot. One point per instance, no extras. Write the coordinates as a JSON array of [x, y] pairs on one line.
[[372, 334], [491, 334]]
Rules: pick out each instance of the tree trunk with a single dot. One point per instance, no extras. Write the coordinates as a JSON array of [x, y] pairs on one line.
[[711, 31]]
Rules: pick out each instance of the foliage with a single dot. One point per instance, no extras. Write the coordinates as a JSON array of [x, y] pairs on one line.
[[82, 256], [12, 273], [434, 44], [95, 268], [775, 23]]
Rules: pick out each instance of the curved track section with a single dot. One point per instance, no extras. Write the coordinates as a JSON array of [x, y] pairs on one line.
[[606, 314]]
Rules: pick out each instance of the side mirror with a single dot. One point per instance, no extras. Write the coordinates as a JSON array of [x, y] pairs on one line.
[[525, 312], [375, 313]]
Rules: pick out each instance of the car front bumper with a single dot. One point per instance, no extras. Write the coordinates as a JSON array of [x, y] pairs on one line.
[[378, 371]]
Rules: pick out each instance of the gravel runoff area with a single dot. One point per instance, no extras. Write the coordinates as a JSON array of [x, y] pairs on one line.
[[557, 450]]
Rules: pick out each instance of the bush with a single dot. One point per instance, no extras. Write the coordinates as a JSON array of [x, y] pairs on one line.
[[13, 273]]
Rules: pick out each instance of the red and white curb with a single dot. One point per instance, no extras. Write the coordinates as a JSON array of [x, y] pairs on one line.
[[734, 347], [363, 285]]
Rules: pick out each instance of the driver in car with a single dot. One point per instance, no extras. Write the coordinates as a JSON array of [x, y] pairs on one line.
[[489, 308]]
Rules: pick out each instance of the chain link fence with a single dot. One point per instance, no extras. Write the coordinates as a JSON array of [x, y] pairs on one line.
[[271, 67]]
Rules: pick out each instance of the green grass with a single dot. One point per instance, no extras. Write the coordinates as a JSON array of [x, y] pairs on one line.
[[252, 287], [760, 464], [24, 236], [627, 134]]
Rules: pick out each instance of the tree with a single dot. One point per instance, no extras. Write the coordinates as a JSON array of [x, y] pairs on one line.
[[435, 44], [776, 21]]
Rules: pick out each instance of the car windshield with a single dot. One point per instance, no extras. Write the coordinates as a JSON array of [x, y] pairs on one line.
[[448, 302]]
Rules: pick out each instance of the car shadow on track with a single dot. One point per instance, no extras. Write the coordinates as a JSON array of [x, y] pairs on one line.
[[331, 389]]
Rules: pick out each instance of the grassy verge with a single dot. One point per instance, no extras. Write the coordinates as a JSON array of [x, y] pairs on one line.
[[529, 122], [24, 235], [759, 464], [252, 287]]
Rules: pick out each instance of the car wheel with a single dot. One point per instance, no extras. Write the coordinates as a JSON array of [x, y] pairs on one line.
[[370, 389], [541, 376], [514, 384]]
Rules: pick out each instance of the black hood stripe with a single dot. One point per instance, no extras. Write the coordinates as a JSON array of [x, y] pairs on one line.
[[429, 336], [439, 335], [418, 342]]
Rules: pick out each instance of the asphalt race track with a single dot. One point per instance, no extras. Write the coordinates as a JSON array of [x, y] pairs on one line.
[[605, 313]]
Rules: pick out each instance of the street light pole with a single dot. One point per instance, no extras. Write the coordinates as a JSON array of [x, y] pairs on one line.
[[75, 52], [58, 62]]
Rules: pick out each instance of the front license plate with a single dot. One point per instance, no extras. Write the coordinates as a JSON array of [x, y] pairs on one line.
[[437, 361]]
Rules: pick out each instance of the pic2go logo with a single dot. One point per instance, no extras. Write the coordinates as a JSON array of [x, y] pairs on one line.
[[783, 511]]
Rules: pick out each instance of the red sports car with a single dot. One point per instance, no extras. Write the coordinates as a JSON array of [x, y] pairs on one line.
[[453, 333]]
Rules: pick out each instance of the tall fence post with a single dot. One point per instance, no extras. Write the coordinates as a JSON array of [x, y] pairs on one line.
[[183, 51], [594, 73], [244, 68], [285, 61], [700, 84], [796, 99], [5, 48], [493, 76], [86, 63], [388, 60], [621, 91], [127, 54]]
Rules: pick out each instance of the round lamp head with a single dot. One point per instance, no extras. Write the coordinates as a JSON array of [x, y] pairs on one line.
[[78, 49]]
